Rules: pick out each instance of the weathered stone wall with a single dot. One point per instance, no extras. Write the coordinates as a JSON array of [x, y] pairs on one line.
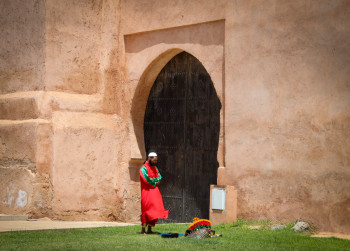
[[62, 129], [287, 110], [73, 74], [286, 100], [22, 43], [25, 186], [87, 174], [88, 107]]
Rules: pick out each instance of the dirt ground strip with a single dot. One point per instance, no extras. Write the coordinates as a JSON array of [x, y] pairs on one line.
[[6, 226], [329, 234]]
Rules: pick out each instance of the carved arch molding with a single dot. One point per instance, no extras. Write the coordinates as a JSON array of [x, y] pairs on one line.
[[148, 52]]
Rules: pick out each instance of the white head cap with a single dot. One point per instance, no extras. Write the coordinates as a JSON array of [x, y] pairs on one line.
[[152, 154]]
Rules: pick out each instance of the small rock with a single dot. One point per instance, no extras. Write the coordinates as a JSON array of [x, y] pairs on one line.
[[301, 226], [278, 227]]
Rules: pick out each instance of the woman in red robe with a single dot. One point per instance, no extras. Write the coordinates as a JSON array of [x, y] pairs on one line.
[[152, 206]]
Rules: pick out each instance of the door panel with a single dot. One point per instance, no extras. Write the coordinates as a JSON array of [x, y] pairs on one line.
[[182, 124]]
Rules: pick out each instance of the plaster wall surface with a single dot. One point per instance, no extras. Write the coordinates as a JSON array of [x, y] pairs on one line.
[[287, 115], [22, 45], [88, 107], [24, 173], [73, 46], [87, 154], [286, 101], [62, 57], [75, 76], [23, 167], [17, 166]]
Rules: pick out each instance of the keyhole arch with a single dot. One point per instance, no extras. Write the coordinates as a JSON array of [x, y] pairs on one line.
[[182, 124]]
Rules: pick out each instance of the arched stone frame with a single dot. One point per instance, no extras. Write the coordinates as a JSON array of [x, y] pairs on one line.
[[141, 94], [153, 56]]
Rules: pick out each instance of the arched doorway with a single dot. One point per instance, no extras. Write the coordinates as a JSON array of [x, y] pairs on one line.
[[182, 124]]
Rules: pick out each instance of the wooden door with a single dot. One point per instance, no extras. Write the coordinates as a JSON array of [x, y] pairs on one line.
[[182, 124]]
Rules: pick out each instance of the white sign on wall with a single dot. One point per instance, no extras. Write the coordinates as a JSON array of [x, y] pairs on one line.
[[218, 199]]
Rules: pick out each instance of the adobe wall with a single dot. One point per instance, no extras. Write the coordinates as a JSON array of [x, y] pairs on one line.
[[24, 137], [287, 111], [83, 83], [62, 126], [286, 101], [73, 74]]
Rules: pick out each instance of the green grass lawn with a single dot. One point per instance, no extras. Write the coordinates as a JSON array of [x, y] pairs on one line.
[[235, 237]]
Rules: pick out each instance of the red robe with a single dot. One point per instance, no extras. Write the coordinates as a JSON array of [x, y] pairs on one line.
[[152, 206]]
